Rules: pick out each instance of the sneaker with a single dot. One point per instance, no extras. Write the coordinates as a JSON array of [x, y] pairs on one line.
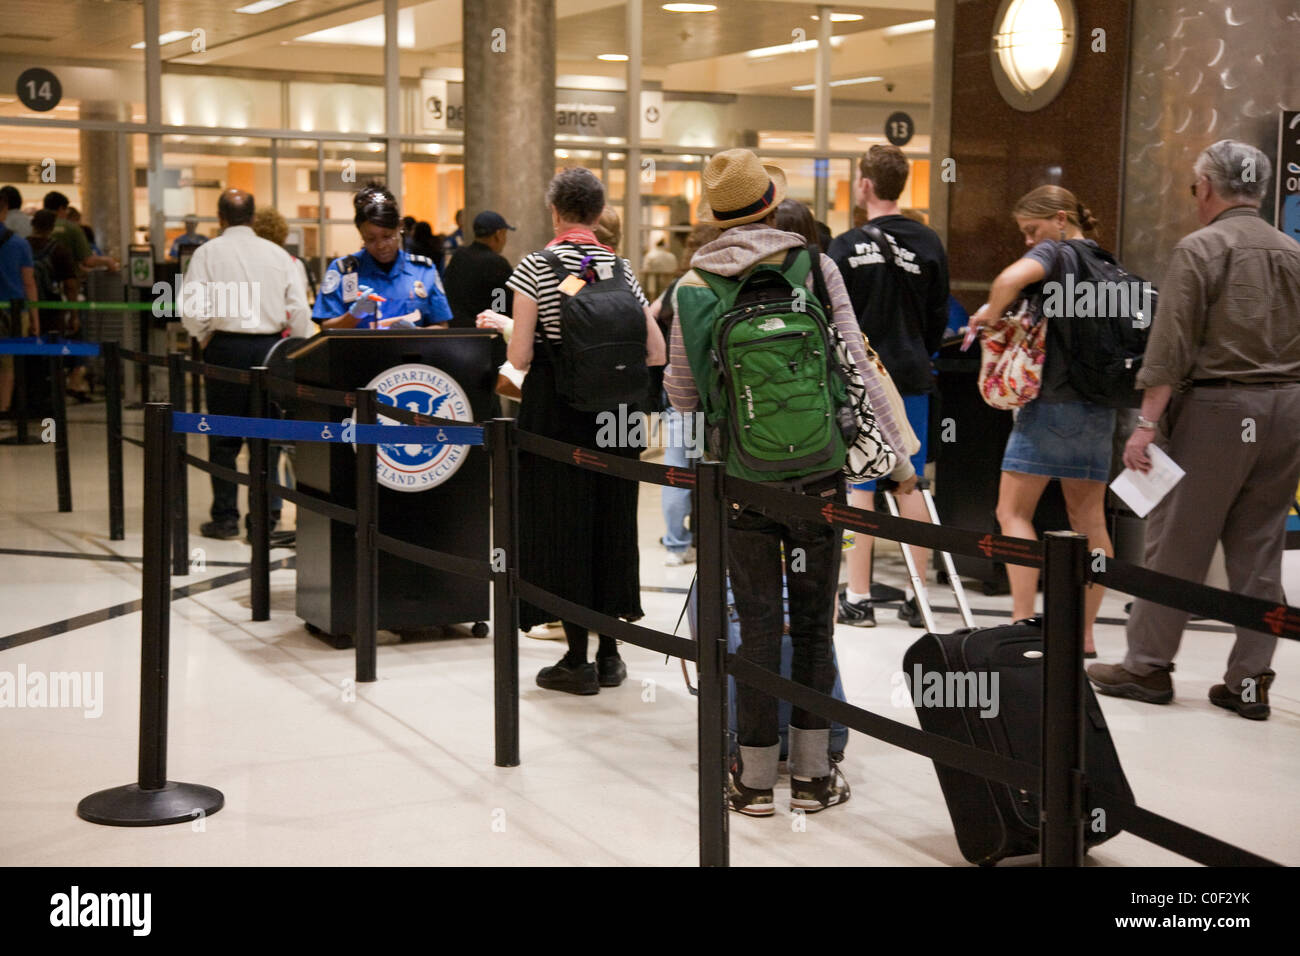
[[1257, 709], [910, 613], [1113, 680], [820, 792], [676, 559], [752, 803], [570, 678], [611, 670], [856, 613], [222, 530]]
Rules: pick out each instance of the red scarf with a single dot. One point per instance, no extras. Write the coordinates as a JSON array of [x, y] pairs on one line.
[[579, 234]]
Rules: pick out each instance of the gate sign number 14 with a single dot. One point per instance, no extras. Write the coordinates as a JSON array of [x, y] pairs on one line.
[[39, 89]]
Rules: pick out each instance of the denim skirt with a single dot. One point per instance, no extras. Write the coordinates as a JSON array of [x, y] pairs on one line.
[[1061, 440]]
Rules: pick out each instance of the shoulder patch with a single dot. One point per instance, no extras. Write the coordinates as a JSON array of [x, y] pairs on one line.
[[330, 282], [419, 260]]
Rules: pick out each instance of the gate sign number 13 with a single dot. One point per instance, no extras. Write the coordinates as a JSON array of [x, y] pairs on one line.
[[899, 128], [39, 89]]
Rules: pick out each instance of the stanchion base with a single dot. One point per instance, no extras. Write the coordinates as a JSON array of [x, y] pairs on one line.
[[129, 806]]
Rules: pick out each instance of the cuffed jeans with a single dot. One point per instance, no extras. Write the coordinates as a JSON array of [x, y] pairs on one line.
[[676, 502], [812, 553]]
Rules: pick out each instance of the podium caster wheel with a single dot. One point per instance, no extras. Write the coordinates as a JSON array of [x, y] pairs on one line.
[[480, 629]]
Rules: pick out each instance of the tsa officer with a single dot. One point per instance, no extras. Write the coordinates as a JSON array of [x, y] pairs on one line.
[[381, 285]]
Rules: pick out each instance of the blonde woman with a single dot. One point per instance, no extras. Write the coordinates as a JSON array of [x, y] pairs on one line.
[[1059, 434]]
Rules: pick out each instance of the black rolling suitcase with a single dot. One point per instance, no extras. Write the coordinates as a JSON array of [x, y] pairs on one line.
[[992, 821]]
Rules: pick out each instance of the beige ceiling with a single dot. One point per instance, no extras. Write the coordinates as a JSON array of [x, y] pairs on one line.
[[696, 52]]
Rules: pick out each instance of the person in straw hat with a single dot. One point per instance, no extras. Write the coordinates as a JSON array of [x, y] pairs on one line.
[[742, 196]]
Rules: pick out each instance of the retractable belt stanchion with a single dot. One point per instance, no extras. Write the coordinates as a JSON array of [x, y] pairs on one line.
[[504, 452], [153, 800], [1061, 812], [712, 639], [113, 421], [259, 519], [196, 380], [367, 527], [180, 498], [59, 402]]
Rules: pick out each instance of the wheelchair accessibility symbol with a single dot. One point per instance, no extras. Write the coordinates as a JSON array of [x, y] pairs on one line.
[[203, 425], [326, 433]]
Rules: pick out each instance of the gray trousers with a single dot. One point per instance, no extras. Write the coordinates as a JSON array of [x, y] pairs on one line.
[[1236, 490]]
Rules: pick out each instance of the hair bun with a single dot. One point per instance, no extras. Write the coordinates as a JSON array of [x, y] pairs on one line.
[[1087, 221]]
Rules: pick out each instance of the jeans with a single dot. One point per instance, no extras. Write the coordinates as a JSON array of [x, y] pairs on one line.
[[676, 502], [812, 551]]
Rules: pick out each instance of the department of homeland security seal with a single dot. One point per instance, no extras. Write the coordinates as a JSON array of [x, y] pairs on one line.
[[428, 391]]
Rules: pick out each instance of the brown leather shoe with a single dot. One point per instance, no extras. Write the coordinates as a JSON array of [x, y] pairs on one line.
[[1255, 709], [1112, 679]]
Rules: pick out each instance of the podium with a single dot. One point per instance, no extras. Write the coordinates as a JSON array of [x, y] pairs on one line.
[[436, 496]]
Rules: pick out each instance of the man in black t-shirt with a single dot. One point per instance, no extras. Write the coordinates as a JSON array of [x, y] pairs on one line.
[[477, 271], [900, 293]]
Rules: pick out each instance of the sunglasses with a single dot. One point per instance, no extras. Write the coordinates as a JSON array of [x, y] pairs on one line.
[[1193, 187]]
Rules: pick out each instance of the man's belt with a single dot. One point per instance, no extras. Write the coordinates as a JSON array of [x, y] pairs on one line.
[[1233, 383]]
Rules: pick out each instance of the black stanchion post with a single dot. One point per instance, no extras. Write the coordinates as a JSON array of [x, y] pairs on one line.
[[259, 519], [113, 420], [367, 527], [1061, 822], [712, 649], [180, 497], [59, 402], [504, 451], [196, 380], [152, 800]]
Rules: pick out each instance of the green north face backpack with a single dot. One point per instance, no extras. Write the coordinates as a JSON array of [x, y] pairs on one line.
[[763, 356]]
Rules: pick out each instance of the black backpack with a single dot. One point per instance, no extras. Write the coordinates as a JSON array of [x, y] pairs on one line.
[[601, 363], [1107, 345], [48, 288]]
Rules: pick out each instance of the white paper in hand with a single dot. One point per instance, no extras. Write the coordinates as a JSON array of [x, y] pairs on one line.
[[1142, 492]]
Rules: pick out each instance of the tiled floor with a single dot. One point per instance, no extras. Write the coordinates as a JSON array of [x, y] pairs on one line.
[[403, 774]]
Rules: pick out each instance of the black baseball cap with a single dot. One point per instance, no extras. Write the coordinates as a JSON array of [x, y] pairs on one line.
[[488, 222]]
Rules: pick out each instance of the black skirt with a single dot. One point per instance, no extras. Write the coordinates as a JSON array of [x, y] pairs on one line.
[[577, 533]]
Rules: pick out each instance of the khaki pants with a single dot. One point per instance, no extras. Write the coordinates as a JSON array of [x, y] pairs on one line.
[[1237, 491]]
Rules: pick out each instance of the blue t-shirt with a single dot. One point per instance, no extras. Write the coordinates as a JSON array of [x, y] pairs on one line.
[[1057, 259], [410, 285], [15, 254]]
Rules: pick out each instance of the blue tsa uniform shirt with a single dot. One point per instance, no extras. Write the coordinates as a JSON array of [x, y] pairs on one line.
[[410, 286]]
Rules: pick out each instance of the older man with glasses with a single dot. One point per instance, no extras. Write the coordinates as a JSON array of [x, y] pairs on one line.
[[1221, 381]]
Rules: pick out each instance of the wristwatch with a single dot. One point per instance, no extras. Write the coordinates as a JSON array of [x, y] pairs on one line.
[[1146, 423]]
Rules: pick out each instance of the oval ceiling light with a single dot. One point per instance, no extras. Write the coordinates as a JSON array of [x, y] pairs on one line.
[[843, 17], [1033, 50], [690, 7], [613, 57]]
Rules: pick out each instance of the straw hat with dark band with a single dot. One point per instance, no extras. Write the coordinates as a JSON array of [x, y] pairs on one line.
[[740, 189]]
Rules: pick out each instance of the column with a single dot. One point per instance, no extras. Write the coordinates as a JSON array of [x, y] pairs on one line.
[[509, 56], [101, 172]]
